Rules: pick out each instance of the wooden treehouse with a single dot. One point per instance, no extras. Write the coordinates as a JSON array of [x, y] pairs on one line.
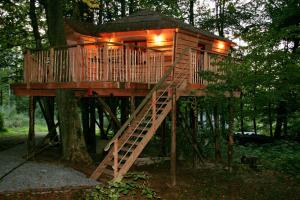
[[146, 54]]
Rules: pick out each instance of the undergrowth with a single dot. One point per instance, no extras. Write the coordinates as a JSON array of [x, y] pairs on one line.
[[282, 156], [134, 184]]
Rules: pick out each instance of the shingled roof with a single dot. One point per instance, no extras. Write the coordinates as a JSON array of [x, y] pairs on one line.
[[142, 20]]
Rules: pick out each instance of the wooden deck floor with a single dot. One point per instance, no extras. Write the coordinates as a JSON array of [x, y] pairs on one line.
[[102, 88]]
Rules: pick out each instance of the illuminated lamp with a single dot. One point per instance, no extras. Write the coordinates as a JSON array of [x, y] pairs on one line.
[[220, 46], [158, 39]]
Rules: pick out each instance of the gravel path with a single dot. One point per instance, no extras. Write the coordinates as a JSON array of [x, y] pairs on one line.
[[34, 175]]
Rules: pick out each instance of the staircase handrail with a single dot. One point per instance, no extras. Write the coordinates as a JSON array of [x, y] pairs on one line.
[[146, 99]]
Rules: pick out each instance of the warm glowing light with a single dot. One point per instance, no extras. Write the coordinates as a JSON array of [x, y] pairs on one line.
[[221, 45], [158, 39]]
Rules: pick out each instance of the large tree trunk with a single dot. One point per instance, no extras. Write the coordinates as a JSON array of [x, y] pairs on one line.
[[46, 103], [73, 144], [34, 25]]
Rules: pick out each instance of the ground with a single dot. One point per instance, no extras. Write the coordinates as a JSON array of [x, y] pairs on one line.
[[209, 182]]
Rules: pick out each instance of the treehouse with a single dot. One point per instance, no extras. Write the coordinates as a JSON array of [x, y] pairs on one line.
[[145, 54]]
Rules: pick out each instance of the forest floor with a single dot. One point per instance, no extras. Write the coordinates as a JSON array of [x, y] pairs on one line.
[[208, 182]]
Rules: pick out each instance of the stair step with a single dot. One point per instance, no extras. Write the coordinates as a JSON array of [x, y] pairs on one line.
[[138, 135], [108, 172], [142, 128], [130, 149], [132, 142], [162, 103], [111, 163]]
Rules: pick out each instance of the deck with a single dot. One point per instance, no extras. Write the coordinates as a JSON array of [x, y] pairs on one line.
[[105, 67]]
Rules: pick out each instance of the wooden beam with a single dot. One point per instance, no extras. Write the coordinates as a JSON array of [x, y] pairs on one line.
[[108, 110], [173, 140]]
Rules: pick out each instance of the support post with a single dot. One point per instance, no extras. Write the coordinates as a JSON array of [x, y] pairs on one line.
[[173, 139], [116, 159], [31, 133], [132, 104]]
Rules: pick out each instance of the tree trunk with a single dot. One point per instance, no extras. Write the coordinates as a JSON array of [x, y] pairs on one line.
[[123, 8], [46, 103], [280, 119], [34, 25], [218, 156], [191, 10], [100, 12], [124, 109], [73, 144], [242, 114], [72, 139], [194, 128], [254, 119], [31, 133], [131, 6], [270, 119], [103, 134], [230, 134]]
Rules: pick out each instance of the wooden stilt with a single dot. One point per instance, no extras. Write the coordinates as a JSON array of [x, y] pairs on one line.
[[194, 127], [163, 138], [31, 133], [173, 140], [132, 104], [92, 126], [101, 123]]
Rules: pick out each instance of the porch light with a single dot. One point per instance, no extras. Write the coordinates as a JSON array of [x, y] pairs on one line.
[[158, 39], [220, 46]]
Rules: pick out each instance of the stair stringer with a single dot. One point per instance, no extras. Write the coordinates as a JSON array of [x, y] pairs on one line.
[[151, 132], [109, 157]]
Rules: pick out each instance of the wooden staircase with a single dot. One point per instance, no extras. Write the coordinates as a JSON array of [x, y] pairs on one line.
[[137, 131]]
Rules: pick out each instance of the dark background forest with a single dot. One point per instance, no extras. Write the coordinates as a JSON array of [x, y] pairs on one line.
[[264, 66]]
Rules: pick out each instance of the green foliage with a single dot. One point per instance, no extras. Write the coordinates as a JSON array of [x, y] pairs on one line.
[[1, 122], [282, 156], [129, 186]]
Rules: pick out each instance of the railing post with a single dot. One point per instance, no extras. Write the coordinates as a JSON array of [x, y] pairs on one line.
[[105, 62], [153, 105], [51, 66], [26, 68], [206, 64], [116, 159]]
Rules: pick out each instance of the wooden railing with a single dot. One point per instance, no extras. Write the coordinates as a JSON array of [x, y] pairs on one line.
[[101, 61], [201, 61]]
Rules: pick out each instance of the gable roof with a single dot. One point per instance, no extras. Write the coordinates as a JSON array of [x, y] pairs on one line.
[[142, 20]]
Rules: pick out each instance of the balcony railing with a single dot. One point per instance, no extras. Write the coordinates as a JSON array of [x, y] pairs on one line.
[[105, 61], [94, 62], [203, 61]]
